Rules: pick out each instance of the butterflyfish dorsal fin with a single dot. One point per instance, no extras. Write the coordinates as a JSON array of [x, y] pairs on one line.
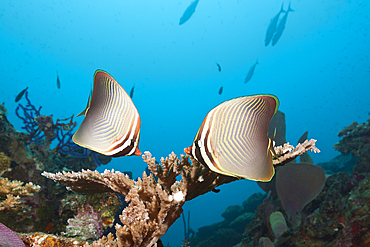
[[83, 113]]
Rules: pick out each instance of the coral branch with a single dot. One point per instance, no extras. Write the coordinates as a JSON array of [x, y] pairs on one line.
[[287, 152], [13, 191]]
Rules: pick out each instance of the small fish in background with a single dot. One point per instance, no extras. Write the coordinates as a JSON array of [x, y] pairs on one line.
[[251, 72], [281, 26], [132, 91], [20, 95], [220, 90], [219, 67], [272, 26], [188, 12], [58, 81]]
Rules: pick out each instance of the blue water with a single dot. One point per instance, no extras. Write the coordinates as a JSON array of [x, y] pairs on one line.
[[319, 69]]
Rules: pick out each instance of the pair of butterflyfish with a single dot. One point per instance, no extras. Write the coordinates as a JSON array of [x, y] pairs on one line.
[[232, 139]]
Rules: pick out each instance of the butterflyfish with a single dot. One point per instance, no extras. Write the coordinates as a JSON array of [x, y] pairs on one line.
[[232, 139], [112, 123], [20, 95]]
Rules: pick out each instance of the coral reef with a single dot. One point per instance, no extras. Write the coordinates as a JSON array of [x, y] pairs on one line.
[[87, 224], [41, 131], [97, 211], [4, 163], [156, 204], [338, 216], [297, 185], [356, 140], [278, 224], [11, 193], [341, 163], [22, 158], [40, 239], [229, 232], [155, 200]]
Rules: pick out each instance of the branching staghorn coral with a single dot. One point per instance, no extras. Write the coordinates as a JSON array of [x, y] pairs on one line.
[[12, 191], [155, 205], [287, 152]]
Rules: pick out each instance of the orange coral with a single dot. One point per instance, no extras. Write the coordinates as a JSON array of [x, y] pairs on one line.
[[46, 240]]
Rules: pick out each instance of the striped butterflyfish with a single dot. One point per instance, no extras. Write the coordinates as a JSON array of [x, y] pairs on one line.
[[232, 139], [112, 123]]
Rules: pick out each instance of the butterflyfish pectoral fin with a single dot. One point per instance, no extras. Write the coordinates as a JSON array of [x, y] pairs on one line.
[[112, 123], [232, 139], [137, 152]]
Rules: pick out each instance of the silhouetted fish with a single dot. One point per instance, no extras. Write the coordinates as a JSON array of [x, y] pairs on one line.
[[219, 67], [232, 139], [280, 28], [188, 12], [58, 81], [250, 72], [220, 90], [272, 26], [132, 91], [19, 96], [112, 123]]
